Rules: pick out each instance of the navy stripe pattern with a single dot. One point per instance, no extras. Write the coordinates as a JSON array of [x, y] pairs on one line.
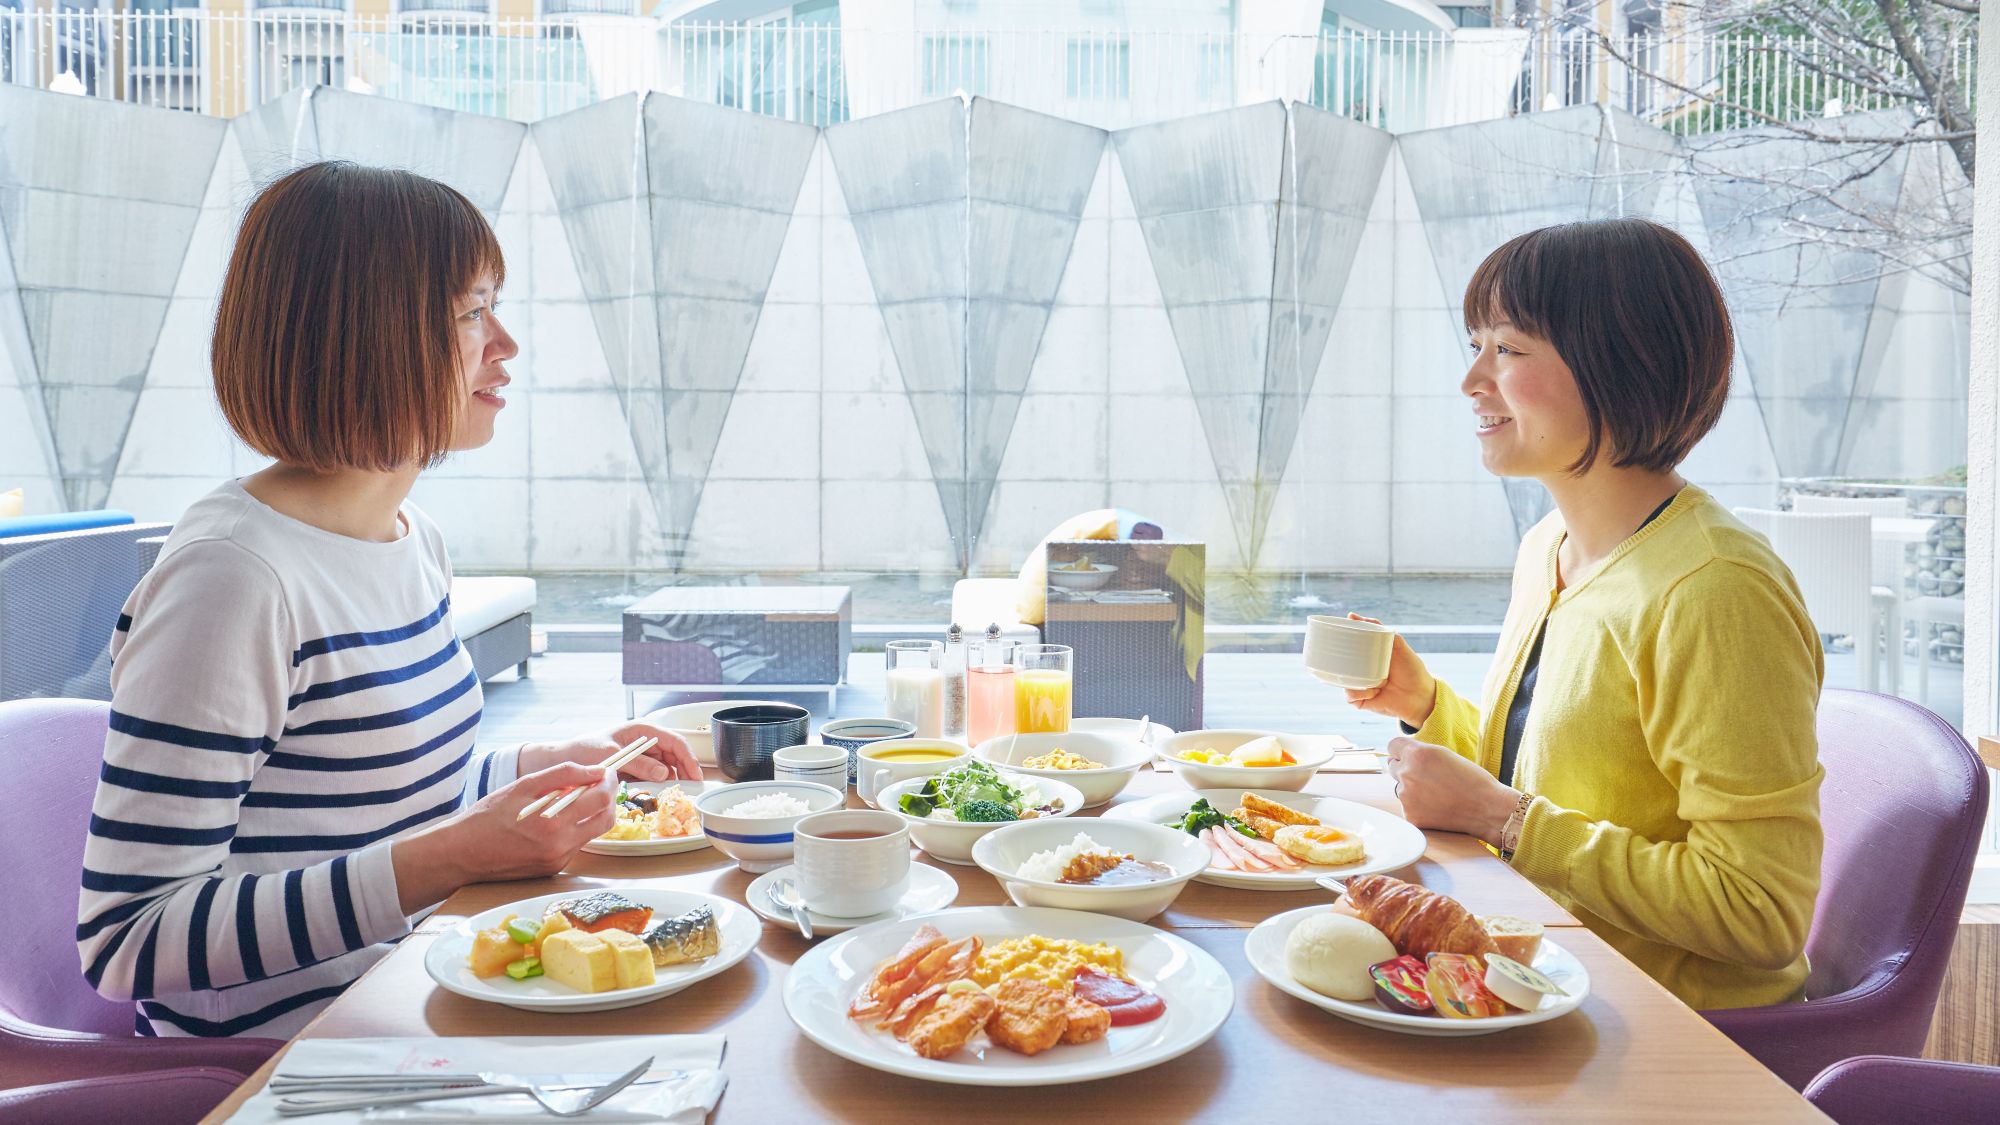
[[285, 704]]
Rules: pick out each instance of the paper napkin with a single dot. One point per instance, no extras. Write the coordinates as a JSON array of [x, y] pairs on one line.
[[564, 1060]]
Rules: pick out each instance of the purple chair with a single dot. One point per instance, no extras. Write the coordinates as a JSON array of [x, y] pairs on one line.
[[1878, 1090], [53, 1026], [1902, 807], [165, 1097]]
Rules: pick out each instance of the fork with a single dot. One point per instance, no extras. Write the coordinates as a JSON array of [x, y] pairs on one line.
[[556, 1101], [394, 1082]]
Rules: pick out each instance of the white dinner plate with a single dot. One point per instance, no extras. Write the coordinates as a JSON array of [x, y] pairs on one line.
[[665, 845], [1392, 843], [930, 889], [445, 960], [1265, 949], [1194, 985]]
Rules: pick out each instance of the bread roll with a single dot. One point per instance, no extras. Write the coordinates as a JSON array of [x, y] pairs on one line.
[[1514, 937]]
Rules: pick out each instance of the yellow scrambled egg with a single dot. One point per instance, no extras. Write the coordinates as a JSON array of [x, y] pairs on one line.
[[1052, 960], [1061, 759]]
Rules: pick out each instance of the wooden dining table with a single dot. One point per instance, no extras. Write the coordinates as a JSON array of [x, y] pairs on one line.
[[1630, 1052]]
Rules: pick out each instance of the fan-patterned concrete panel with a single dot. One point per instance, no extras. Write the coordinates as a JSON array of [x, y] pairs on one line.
[[676, 211], [1788, 219], [1479, 185], [1252, 218], [469, 151], [965, 243], [95, 244]]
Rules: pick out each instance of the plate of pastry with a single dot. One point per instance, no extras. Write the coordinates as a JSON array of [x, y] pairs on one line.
[[1268, 839], [1398, 956], [590, 951]]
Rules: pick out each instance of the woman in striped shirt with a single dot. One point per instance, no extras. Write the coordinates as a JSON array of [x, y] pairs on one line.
[[290, 774]]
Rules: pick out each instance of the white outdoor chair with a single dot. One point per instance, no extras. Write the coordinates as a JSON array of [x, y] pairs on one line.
[[1831, 556], [979, 602], [1888, 572], [1926, 612]]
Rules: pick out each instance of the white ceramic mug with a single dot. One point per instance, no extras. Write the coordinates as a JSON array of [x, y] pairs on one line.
[[872, 773], [813, 762], [851, 863], [1348, 653]]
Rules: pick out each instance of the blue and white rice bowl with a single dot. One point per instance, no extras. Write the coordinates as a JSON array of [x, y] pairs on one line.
[[760, 843]]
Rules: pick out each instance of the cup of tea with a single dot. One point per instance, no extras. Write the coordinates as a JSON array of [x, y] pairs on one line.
[[812, 762], [885, 763], [851, 863], [1348, 653]]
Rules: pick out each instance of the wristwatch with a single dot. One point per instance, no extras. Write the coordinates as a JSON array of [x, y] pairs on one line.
[[1510, 836]]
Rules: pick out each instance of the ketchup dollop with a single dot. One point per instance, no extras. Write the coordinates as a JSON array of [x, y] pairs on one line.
[[1127, 1002]]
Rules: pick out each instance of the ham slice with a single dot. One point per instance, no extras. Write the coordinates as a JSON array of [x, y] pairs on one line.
[[1217, 855], [1246, 860]]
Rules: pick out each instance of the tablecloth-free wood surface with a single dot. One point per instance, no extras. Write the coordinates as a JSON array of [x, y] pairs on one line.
[[1632, 1052]]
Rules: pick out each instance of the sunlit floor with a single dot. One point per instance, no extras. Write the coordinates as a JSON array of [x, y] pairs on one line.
[[567, 693]]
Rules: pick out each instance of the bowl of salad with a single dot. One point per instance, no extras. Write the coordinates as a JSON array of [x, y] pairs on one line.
[[948, 812]]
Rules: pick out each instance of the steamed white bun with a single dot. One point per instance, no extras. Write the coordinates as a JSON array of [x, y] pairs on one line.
[[1330, 954]]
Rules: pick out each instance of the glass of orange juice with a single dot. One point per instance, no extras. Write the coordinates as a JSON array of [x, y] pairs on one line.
[[1042, 688]]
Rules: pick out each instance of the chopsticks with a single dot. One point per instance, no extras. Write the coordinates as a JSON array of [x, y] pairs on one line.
[[563, 797]]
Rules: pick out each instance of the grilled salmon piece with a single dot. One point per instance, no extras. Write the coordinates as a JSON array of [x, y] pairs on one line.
[[605, 910]]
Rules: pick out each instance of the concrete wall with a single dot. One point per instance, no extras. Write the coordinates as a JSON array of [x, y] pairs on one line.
[[826, 454]]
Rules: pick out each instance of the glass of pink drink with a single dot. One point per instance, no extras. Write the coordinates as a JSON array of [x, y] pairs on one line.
[[989, 690]]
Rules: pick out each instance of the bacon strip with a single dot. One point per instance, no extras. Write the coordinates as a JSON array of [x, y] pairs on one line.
[[891, 983]]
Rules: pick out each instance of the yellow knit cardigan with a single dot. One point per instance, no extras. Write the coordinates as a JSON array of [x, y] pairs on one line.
[[1670, 747]]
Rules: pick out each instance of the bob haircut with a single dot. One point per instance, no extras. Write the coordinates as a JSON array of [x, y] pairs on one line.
[[335, 339], [1634, 312]]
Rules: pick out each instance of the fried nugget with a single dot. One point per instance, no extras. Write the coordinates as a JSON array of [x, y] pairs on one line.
[[1272, 810], [1087, 1022], [957, 1017], [1031, 1017], [1262, 825]]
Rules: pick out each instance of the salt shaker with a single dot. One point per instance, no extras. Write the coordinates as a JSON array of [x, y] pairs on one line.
[[953, 667]]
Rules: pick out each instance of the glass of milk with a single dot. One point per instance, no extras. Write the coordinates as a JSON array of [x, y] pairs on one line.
[[916, 685]]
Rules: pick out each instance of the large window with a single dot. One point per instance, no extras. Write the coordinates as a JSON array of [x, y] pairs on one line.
[[1099, 70], [788, 66], [954, 63]]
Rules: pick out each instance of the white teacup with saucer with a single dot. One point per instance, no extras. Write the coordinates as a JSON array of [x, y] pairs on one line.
[[929, 889]]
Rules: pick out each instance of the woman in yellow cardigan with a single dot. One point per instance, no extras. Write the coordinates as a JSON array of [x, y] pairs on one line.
[[1644, 750]]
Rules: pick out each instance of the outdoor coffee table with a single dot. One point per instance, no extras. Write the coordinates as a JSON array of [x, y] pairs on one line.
[[757, 639]]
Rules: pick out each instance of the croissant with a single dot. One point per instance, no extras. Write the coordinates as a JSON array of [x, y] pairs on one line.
[[1418, 922]]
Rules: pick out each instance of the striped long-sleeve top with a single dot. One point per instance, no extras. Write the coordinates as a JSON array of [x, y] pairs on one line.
[[285, 703]]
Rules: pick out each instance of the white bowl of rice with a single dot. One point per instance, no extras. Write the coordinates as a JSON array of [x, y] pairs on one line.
[[1028, 858], [752, 823]]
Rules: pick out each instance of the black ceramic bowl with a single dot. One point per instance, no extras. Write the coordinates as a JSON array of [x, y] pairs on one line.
[[746, 737]]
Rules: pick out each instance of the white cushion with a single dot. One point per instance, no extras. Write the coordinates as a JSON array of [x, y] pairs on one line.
[[478, 604]]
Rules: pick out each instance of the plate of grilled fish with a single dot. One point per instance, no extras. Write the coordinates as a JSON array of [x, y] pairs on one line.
[[592, 951], [1008, 996]]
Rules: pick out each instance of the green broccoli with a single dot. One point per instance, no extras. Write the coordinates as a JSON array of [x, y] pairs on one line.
[[983, 812]]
